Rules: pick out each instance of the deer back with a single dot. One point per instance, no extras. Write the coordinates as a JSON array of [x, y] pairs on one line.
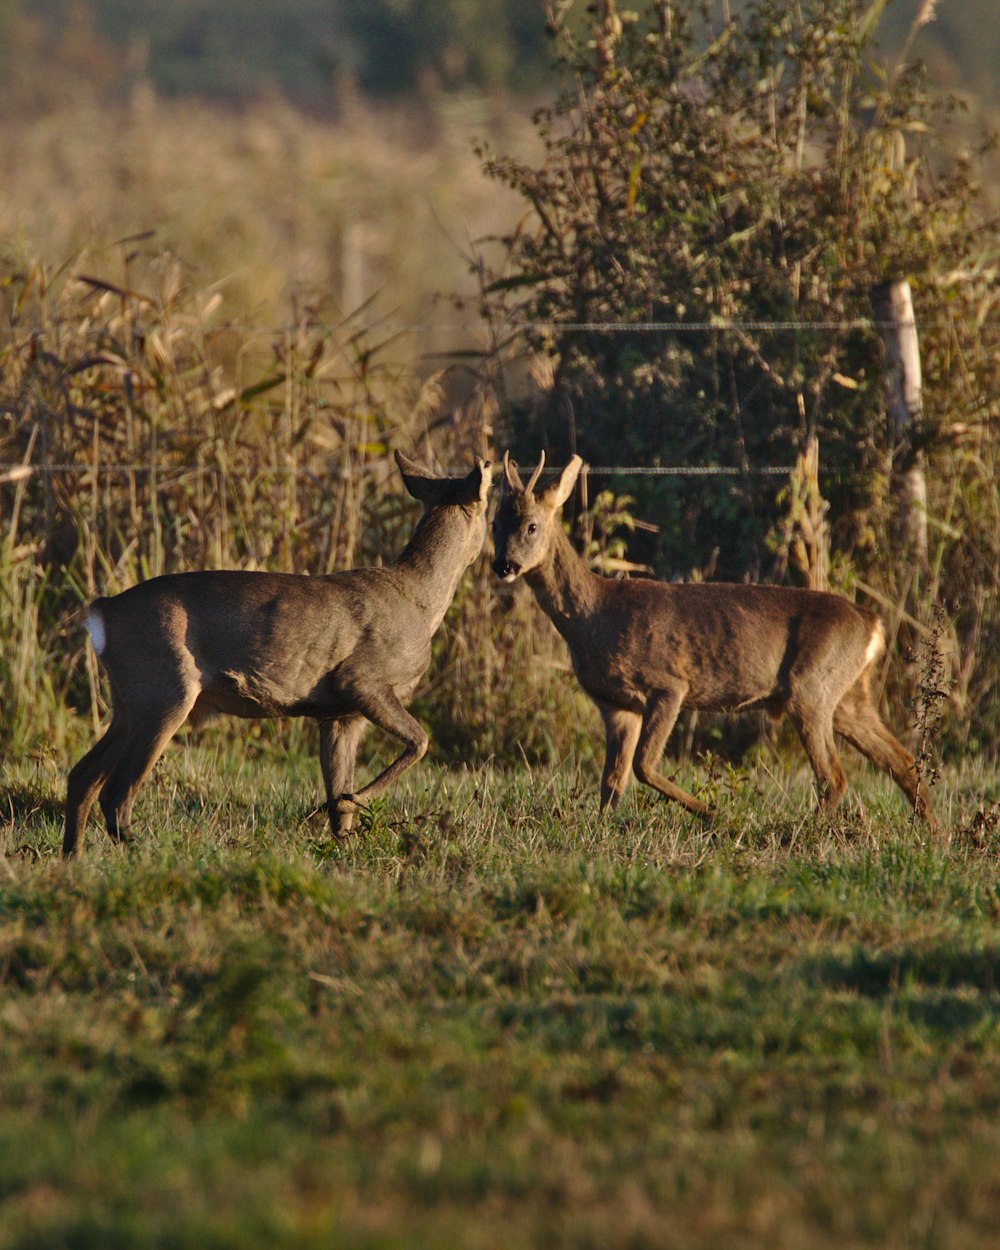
[[264, 644], [726, 646]]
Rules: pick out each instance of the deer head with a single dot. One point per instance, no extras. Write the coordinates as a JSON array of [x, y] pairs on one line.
[[524, 525], [470, 493]]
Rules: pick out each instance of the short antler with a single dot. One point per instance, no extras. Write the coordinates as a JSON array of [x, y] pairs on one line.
[[536, 475], [511, 477]]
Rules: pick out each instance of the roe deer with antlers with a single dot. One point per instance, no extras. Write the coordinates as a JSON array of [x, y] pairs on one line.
[[644, 650], [346, 650]]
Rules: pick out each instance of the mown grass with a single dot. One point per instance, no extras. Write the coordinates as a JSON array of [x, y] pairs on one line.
[[492, 1018]]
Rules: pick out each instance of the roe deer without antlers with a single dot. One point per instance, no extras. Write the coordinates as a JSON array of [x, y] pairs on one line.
[[644, 650], [346, 649]]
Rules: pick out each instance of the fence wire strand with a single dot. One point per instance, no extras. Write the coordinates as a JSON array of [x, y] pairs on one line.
[[12, 471], [391, 326]]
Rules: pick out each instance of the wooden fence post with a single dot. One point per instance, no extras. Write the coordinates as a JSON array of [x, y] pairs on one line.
[[897, 327]]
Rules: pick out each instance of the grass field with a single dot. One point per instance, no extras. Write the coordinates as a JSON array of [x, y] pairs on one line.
[[492, 1019]]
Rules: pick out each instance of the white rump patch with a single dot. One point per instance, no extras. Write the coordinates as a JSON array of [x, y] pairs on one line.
[[876, 644], [95, 627]]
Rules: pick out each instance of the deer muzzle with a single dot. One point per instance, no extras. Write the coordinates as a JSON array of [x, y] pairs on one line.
[[506, 570]]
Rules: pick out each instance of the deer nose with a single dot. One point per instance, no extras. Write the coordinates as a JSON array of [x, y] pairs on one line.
[[506, 569]]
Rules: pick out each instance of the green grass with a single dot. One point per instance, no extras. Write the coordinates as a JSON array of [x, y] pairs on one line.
[[493, 1019]]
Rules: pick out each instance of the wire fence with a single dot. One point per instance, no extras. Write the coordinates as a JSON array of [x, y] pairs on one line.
[[15, 471], [12, 472], [392, 326]]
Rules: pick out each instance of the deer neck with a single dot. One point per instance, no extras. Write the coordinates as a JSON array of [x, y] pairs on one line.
[[434, 560], [567, 591]]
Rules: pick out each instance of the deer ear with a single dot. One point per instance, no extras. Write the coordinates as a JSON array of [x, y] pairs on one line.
[[555, 496], [437, 492], [476, 486], [423, 486], [486, 477]]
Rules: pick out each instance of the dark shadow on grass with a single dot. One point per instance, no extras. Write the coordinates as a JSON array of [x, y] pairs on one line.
[[27, 815], [27, 804], [933, 967]]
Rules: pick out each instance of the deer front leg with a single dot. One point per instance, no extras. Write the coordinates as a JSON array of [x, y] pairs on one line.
[[338, 749], [385, 710], [661, 714]]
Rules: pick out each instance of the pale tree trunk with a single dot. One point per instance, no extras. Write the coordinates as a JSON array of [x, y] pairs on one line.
[[893, 308]]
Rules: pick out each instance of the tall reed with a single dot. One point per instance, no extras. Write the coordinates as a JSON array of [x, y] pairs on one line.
[[143, 433]]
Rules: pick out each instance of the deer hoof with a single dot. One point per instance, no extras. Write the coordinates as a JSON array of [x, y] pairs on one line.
[[341, 813]]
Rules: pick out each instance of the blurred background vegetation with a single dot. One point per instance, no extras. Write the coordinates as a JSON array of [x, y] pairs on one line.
[[306, 51], [246, 248]]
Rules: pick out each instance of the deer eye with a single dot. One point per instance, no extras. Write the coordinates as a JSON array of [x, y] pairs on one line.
[[532, 528]]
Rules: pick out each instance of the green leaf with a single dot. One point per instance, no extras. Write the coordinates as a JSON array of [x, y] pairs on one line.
[[634, 175], [512, 283], [261, 387], [871, 19]]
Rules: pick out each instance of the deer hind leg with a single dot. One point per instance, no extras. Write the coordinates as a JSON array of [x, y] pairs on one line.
[[149, 731], [659, 719], [338, 748], [86, 778], [858, 721], [385, 710], [621, 730]]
